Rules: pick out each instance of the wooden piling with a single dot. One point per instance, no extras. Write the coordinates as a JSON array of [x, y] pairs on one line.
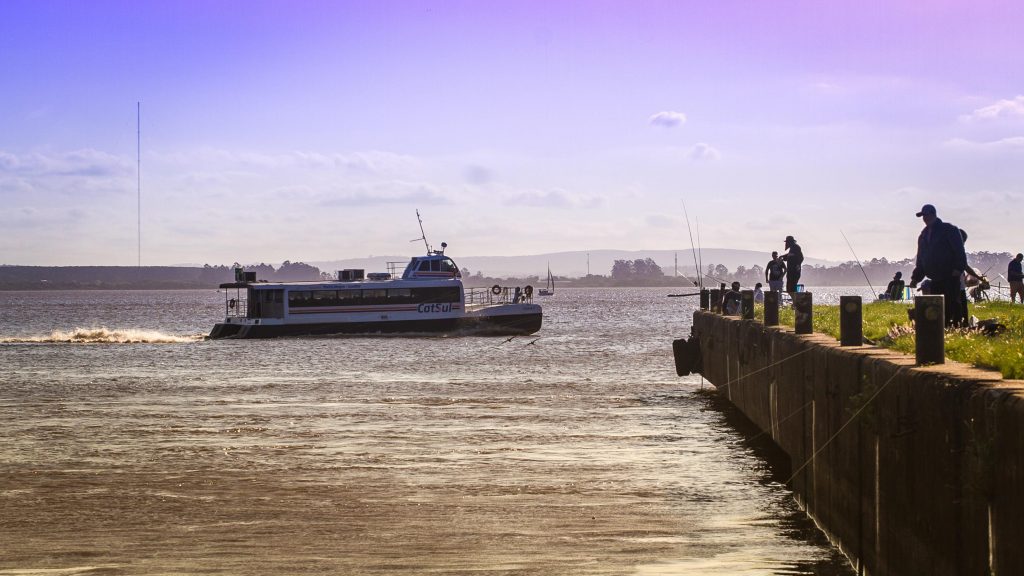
[[851, 321], [929, 330], [747, 304], [804, 312]]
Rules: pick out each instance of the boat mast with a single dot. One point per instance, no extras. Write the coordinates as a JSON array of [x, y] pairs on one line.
[[423, 235]]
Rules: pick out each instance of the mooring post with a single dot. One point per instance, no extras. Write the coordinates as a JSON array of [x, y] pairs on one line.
[[930, 329], [716, 301], [747, 304], [771, 308], [705, 299], [851, 321], [804, 312]]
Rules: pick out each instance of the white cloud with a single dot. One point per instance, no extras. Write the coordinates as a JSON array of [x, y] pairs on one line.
[[668, 119], [85, 162], [553, 198], [702, 151], [478, 175], [661, 221], [387, 193], [1001, 109], [1011, 143]]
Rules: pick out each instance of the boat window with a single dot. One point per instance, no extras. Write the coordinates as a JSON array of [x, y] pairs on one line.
[[349, 297], [425, 266], [375, 296], [415, 295], [271, 296], [298, 297], [325, 297], [447, 265], [436, 294], [435, 265]]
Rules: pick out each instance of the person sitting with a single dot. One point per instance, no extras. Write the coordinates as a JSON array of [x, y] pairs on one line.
[[894, 291], [731, 301], [758, 293]]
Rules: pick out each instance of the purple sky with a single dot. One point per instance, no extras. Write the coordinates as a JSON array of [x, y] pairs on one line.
[[313, 130]]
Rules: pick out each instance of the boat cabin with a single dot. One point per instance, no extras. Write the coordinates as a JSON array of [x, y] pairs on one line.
[[431, 267]]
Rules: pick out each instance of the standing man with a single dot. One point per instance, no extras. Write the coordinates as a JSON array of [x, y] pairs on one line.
[[793, 258], [940, 257], [1016, 278], [774, 272]]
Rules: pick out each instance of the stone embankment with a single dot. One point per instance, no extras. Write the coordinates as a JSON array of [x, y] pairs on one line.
[[909, 470]]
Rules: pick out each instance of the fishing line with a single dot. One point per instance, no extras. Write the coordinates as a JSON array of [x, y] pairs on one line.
[[772, 365], [692, 250], [700, 251], [843, 427], [875, 294]]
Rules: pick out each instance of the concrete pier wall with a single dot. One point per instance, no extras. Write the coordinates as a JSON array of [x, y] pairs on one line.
[[908, 470]]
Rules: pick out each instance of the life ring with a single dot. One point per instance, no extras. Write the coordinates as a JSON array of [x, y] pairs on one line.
[[528, 291], [495, 289]]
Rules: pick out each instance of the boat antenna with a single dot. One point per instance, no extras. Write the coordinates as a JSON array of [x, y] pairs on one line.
[[138, 172], [423, 235], [862, 271], [692, 248]]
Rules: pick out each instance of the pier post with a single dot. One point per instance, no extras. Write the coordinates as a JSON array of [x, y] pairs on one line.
[[851, 321], [929, 330], [705, 299], [803, 310], [747, 304], [716, 301], [771, 308]]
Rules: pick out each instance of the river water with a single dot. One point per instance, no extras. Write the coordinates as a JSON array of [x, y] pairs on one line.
[[129, 445]]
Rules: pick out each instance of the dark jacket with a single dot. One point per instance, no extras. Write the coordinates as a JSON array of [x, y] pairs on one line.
[[794, 258], [1013, 271], [940, 253]]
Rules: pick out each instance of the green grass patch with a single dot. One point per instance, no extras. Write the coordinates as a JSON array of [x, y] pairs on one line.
[[887, 324]]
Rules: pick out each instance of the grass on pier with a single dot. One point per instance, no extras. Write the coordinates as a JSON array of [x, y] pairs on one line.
[[887, 324]]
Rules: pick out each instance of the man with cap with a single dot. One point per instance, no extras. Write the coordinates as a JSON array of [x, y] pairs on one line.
[[794, 258], [940, 257]]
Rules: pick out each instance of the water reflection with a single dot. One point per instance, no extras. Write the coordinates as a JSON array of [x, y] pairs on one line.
[[580, 454]]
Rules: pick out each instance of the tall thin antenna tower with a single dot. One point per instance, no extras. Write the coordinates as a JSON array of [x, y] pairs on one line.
[[138, 171]]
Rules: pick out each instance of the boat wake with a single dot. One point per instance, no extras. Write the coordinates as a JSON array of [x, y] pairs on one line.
[[102, 335]]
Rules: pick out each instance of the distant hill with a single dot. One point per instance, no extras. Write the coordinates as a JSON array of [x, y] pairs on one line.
[[574, 264]]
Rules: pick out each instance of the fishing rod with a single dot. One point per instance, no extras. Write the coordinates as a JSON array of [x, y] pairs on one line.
[[692, 250], [700, 251], [864, 272]]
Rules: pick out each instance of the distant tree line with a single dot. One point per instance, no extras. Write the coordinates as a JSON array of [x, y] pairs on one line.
[[145, 277], [640, 272], [878, 270]]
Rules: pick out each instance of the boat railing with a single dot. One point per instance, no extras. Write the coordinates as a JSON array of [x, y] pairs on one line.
[[396, 269], [497, 295], [236, 304]]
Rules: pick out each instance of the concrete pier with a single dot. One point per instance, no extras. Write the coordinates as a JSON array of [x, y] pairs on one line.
[[909, 470]]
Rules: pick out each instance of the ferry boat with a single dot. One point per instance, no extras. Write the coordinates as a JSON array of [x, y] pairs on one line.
[[429, 297]]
